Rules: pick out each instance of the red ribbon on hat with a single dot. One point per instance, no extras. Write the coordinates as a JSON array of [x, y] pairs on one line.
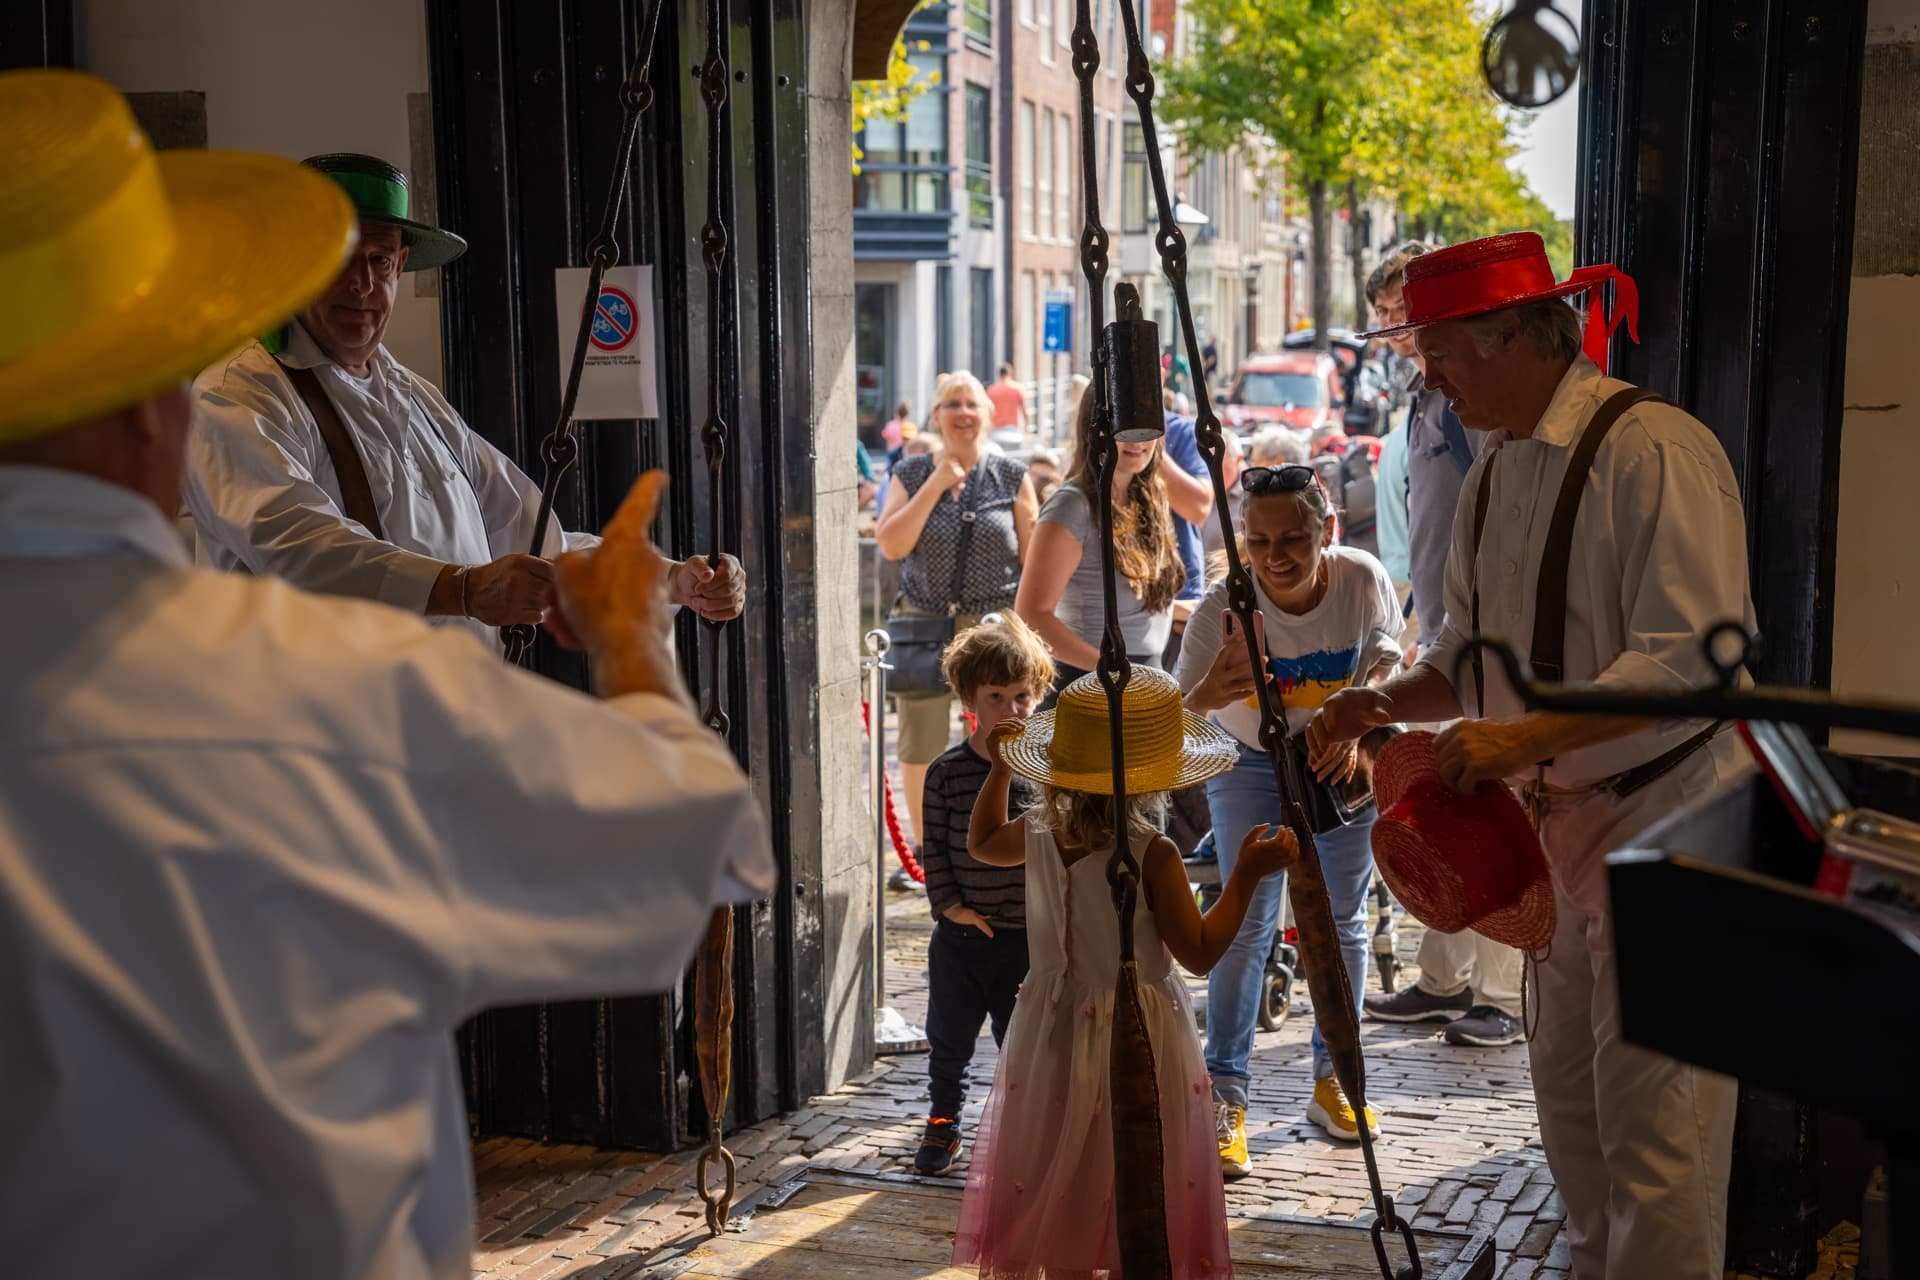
[[1600, 322]]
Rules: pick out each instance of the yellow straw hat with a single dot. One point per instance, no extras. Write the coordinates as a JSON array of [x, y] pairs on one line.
[[123, 272], [1167, 746]]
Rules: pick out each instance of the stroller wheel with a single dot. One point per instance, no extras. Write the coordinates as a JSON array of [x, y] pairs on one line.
[[1276, 998]]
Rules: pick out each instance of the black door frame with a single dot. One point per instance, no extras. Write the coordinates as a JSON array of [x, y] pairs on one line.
[[526, 115], [1718, 144]]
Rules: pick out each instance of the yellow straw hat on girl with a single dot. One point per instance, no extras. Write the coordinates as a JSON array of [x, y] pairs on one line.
[[1167, 747], [124, 272]]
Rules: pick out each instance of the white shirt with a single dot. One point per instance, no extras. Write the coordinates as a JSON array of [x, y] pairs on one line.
[[264, 498], [1659, 557], [260, 854], [1311, 656]]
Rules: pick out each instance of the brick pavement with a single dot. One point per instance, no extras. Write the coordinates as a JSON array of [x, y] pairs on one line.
[[1459, 1146]]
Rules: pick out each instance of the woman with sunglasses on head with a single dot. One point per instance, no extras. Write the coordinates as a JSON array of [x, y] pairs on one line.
[[1062, 594], [1327, 618]]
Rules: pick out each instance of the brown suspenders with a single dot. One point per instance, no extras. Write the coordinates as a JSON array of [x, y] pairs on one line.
[[1547, 655], [356, 495]]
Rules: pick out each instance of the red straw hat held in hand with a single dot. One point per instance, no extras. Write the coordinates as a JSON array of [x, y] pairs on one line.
[[1458, 861], [1472, 279]]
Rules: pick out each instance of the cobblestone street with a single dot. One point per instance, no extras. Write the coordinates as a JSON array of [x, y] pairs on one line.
[[1459, 1146]]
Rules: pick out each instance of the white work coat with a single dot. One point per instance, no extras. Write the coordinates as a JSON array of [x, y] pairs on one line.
[[264, 499], [261, 852], [1659, 557]]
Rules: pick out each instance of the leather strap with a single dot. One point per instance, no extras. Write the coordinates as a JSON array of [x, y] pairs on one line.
[[1628, 781], [1547, 656], [969, 516], [1548, 653], [1456, 437], [356, 495]]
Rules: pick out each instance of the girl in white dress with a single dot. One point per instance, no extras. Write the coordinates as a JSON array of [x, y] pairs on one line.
[[1040, 1201]]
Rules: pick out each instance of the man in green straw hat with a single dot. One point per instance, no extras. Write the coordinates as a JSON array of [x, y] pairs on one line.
[[325, 461], [262, 851]]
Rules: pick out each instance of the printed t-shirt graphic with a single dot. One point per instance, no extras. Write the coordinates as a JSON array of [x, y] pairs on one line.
[[1305, 682]]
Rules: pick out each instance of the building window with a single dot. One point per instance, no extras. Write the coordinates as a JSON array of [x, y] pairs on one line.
[[1063, 186], [1046, 31], [979, 23], [1045, 170], [1110, 175], [1063, 28], [1029, 343], [1115, 40], [1026, 12], [979, 156], [904, 162], [1023, 162], [1134, 196]]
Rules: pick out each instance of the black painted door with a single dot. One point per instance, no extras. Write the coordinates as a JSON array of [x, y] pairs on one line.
[[526, 117]]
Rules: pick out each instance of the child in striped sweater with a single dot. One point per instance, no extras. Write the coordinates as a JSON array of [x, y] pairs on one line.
[[978, 955]]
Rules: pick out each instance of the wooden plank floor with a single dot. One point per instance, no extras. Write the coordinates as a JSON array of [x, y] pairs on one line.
[[828, 1222]]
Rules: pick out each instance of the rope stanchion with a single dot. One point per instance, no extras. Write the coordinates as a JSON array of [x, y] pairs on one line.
[[895, 832]]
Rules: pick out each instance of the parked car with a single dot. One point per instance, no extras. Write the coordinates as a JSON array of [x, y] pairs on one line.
[[1298, 389]]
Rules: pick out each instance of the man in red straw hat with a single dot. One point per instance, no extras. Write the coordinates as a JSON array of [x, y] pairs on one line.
[[1606, 525]]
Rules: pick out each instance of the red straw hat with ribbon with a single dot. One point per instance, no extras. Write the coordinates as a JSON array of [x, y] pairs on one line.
[[1458, 861], [1472, 279]]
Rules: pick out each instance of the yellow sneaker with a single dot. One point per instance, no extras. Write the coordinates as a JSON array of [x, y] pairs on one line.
[[1230, 1126], [1332, 1112]]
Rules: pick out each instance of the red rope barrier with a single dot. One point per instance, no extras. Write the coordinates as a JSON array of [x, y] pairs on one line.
[[900, 845]]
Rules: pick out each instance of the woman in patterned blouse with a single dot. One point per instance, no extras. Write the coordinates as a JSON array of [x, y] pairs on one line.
[[920, 526]]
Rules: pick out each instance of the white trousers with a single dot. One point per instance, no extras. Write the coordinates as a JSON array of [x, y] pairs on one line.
[[1454, 962], [1640, 1145]]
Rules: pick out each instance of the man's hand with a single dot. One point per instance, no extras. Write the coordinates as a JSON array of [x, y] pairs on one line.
[[716, 596], [1346, 717], [613, 600], [1476, 751], [512, 589], [967, 915]]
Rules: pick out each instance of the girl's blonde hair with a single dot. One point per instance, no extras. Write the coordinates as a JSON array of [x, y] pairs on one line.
[[1145, 550], [1083, 820]]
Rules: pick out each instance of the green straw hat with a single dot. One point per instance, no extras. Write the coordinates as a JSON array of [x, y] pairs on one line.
[[379, 193]]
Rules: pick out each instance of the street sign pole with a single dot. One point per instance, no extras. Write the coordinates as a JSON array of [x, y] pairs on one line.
[[1057, 338]]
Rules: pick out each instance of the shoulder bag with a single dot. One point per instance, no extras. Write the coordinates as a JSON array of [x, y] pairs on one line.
[[920, 643]]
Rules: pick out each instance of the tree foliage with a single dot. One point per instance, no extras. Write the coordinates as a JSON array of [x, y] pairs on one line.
[[891, 98], [1385, 95]]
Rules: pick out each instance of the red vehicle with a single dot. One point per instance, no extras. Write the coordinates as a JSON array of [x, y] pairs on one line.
[[1298, 389]]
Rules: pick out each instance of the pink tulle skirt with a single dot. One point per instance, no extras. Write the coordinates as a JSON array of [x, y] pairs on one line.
[[1039, 1202]]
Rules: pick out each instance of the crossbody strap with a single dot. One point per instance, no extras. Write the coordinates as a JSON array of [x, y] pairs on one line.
[[969, 516], [1456, 437], [356, 495], [1480, 528]]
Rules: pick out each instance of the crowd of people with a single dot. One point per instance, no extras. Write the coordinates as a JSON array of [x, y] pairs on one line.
[[277, 819]]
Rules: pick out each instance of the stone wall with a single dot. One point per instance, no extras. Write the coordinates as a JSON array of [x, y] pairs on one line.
[[849, 864], [1877, 583]]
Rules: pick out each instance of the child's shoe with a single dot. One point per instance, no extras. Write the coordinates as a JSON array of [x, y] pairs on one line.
[[1230, 1127], [1332, 1112], [939, 1147]]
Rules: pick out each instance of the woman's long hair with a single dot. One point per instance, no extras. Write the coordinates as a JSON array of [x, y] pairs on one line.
[[1145, 552]]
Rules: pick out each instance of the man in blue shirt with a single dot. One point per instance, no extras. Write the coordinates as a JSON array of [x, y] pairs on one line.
[[1467, 981]]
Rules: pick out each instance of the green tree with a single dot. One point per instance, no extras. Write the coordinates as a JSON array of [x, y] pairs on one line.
[[891, 98], [1361, 98]]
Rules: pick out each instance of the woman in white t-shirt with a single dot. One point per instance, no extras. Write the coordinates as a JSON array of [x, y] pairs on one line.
[[1330, 619]]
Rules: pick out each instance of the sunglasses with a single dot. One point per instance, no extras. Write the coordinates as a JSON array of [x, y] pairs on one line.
[[1291, 478]]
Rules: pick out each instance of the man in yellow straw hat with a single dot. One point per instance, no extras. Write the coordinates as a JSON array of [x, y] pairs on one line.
[[321, 459], [260, 851]]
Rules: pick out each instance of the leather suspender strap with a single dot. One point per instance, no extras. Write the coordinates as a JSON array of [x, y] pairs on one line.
[[1479, 528], [356, 495], [1549, 651]]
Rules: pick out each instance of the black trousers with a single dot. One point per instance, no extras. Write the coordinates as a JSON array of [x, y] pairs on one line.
[[971, 979]]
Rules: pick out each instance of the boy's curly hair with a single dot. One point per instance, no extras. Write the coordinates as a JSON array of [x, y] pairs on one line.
[[1004, 652]]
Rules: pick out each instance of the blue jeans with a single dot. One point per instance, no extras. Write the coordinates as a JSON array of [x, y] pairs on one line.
[[1242, 799]]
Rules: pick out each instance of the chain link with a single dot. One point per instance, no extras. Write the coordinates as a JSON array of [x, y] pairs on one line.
[[1327, 978], [716, 1012]]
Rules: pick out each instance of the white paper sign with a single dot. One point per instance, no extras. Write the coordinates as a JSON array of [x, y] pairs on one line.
[[619, 379]]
